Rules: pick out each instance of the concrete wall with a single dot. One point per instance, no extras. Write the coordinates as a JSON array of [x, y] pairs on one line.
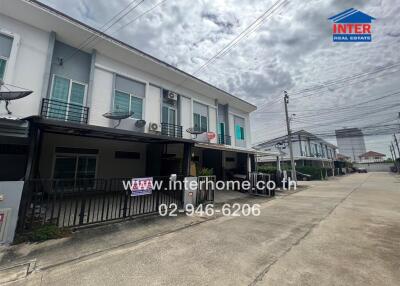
[[375, 167], [10, 193]]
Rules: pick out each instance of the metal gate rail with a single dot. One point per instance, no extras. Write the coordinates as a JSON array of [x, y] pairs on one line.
[[70, 203]]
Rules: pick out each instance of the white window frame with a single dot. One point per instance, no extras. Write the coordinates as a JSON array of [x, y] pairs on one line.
[[208, 114], [11, 60], [130, 102], [71, 81], [5, 68]]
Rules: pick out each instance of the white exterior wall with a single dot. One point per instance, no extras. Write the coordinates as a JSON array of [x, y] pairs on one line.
[[186, 116], [212, 125], [101, 97], [26, 65], [153, 104]]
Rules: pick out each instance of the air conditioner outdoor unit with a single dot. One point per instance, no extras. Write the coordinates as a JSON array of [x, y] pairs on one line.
[[172, 95], [153, 126]]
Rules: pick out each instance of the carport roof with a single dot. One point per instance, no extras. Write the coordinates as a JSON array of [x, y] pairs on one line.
[[234, 149], [78, 129]]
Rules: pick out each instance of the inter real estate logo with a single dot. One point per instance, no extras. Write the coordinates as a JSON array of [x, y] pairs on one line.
[[352, 26]]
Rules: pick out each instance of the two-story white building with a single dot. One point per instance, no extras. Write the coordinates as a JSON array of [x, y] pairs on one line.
[[308, 150], [76, 84]]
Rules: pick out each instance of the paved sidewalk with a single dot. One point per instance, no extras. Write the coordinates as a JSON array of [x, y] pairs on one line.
[[86, 242], [340, 232]]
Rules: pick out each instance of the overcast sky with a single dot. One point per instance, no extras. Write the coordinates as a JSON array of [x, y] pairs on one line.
[[292, 50]]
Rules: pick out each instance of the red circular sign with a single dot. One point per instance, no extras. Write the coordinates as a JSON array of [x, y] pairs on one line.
[[210, 135]]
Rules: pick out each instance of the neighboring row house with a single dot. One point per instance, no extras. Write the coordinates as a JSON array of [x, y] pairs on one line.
[[308, 150]]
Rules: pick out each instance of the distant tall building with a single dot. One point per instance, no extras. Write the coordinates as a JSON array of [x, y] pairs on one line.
[[351, 143]]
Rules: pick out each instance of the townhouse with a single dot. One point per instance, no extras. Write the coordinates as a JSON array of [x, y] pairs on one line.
[[308, 150], [74, 90], [101, 110]]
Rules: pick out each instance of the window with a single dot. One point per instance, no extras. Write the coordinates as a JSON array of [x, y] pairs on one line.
[[69, 98], [128, 96], [200, 117], [239, 131], [200, 122], [127, 155], [240, 136], [77, 170], [3, 63], [169, 108], [125, 102], [5, 51]]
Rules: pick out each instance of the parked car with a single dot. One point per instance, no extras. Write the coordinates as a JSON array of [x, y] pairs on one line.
[[302, 176], [362, 170]]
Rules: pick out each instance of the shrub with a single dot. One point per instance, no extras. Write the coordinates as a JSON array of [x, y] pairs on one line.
[[314, 172], [205, 172], [267, 169], [46, 232]]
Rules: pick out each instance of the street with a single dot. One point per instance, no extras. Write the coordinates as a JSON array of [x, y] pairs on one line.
[[345, 231]]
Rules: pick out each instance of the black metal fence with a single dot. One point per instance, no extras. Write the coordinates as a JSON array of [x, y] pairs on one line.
[[224, 139], [71, 203], [171, 130], [60, 110]]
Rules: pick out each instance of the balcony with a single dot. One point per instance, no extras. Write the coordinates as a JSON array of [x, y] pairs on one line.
[[171, 130], [224, 139], [60, 110]]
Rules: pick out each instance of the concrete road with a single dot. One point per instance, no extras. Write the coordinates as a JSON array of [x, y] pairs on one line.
[[345, 231]]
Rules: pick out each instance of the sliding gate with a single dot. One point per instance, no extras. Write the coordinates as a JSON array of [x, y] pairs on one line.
[[71, 203]]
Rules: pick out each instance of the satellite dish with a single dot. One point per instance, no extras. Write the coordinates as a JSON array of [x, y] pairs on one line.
[[194, 132], [140, 123], [118, 115], [8, 95]]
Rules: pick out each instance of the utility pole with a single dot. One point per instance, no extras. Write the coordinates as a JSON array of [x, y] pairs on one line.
[[394, 158], [286, 101], [397, 144]]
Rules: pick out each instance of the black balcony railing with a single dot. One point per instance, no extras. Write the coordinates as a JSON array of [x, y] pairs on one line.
[[171, 130], [224, 139], [60, 110]]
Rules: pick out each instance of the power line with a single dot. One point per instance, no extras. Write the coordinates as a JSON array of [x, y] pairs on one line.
[[140, 15], [340, 107], [251, 28], [93, 37], [344, 79]]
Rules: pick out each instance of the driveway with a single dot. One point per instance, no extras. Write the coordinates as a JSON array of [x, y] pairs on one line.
[[345, 231]]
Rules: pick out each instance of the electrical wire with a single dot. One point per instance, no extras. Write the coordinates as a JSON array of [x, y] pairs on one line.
[[94, 37]]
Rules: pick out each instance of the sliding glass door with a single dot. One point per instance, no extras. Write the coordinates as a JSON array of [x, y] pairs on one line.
[[68, 98]]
